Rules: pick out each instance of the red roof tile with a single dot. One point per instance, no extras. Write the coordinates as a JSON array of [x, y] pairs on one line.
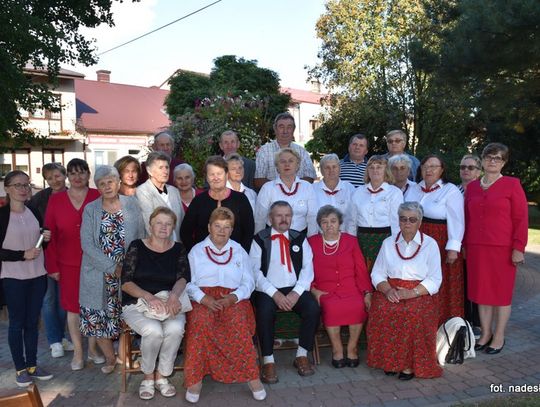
[[306, 96], [111, 107]]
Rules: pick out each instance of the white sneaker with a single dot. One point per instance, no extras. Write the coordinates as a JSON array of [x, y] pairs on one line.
[[67, 345], [57, 350]]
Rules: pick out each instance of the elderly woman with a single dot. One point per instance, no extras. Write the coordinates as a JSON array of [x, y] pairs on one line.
[[444, 221], [291, 189], [496, 236], [109, 225], [331, 190], [219, 335], [54, 316], [403, 318], [153, 265], [470, 170], [372, 211], [64, 252], [184, 180], [235, 165], [155, 193], [341, 285], [23, 275], [400, 166], [195, 226], [130, 170]]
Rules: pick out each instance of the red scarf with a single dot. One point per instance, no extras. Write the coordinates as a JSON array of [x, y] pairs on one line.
[[284, 249]]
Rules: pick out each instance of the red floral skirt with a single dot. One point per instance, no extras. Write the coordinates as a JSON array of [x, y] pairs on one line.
[[403, 335], [220, 343], [452, 291]]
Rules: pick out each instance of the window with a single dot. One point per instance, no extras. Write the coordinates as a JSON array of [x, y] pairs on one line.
[[104, 157]]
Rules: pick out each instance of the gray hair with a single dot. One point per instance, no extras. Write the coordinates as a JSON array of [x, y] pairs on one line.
[[358, 136], [279, 203], [283, 116], [156, 156], [328, 157], [396, 133], [473, 157], [184, 167], [165, 133], [398, 159], [105, 171], [411, 206], [286, 150], [328, 210], [228, 133], [235, 157]]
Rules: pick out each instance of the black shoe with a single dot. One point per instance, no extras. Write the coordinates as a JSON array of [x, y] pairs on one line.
[[479, 347], [353, 362], [387, 373], [494, 351], [406, 376], [338, 364]]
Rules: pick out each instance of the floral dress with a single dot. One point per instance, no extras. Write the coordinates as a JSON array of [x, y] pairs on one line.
[[106, 323]]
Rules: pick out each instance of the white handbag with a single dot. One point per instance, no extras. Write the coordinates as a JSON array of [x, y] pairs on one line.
[[142, 305]]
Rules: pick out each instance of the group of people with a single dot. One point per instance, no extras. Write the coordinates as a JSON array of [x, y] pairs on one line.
[[378, 241]]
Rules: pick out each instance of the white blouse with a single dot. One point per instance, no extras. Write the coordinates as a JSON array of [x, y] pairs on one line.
[[303, 202], [340, 198], [250, 194], [425, 266], [374, 210], [445, 202], [236, 274], [278, 275]]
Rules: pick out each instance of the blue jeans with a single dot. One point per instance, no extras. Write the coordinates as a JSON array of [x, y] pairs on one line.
[[24, 299], [54, 316]]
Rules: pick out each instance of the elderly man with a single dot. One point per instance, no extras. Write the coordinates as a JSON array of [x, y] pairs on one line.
[[229, 144], [401, 165], [283, 271], [164, 143], [353, 165], [396, 140], [154, 192], [265, 169]]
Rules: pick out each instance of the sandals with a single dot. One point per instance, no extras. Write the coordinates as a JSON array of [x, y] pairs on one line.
[[165, 388], [147, 390]]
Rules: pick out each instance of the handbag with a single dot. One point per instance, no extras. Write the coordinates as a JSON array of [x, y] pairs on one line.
[[460, 347], [142, 305]]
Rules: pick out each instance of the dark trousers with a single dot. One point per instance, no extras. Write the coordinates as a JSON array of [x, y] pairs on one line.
[[24, 299], [265, 309]]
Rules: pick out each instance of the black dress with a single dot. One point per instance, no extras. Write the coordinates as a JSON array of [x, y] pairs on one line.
[[194, 227]]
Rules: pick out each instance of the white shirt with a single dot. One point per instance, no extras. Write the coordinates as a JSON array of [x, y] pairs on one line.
[[265, 166], [339, 200], [278, 275], [446, 202], [236, 274], [303, 202], [250, 194], [377, 210], [406, 190], [425, 266]]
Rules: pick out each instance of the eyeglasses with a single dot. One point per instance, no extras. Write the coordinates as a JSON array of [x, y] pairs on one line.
[[468, 167], [20, 187], [494, 158], [405, 219], [395, 141]]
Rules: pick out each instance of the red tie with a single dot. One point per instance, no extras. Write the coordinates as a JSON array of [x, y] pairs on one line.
[[284, 249], [426, 190], [331, 192], [374, 192]]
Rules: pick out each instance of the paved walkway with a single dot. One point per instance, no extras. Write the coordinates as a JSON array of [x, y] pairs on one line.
[[518, 364]]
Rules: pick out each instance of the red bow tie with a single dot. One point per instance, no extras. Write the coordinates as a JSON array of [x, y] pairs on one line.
[[331, 192], [284, 249], [374, 192], [428, 190]]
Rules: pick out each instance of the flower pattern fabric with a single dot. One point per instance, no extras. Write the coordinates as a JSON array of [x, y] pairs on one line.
[[112, 235], [370, 244]]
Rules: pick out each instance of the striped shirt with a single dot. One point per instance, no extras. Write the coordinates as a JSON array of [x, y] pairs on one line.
[[352, 172]]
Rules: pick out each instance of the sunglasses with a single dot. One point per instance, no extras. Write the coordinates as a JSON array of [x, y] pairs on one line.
[[405, 219], [468, 167]]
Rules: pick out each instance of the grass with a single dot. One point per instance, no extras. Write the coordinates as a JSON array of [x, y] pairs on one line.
[[534, 224], [513, 401]]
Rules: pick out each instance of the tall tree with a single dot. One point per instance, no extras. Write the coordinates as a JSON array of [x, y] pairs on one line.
[[44, 34]]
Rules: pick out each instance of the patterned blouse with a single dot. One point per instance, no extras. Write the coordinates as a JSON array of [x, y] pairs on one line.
[[112, 236]]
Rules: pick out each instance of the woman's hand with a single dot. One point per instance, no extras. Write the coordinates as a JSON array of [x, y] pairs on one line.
[[406, 294], [367, 301], [318, 294], [46, 235], [451, 256], [156, 305], [211, 303], [517, 257], [227, 300], [173, 304], [31, 254], [118, 270], [55, 276], [392, 295]]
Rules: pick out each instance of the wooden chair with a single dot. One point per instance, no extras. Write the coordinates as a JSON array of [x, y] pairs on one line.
[[30, 398], [286, 327], [130, 354]]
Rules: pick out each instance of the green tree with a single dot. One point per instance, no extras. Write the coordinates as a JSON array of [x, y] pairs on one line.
[[44, 34]]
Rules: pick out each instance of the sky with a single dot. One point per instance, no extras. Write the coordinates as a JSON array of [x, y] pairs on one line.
[[279, 34]]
